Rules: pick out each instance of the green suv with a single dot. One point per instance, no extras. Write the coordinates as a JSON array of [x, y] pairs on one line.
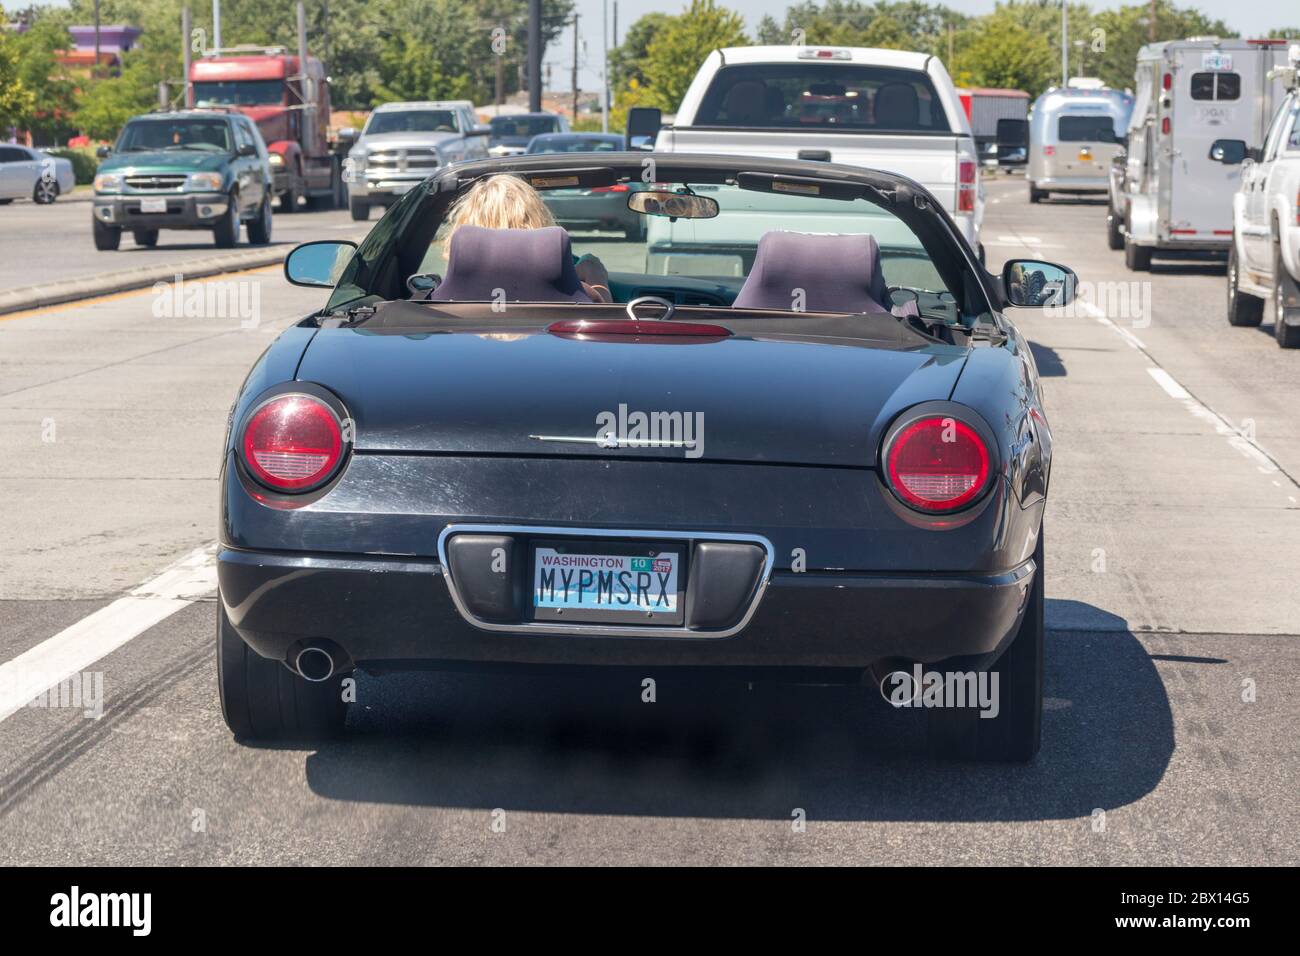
[[190, 169]]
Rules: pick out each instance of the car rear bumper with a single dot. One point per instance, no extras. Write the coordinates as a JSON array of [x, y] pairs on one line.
[[184, 211], [392, 612], [1074, 184]]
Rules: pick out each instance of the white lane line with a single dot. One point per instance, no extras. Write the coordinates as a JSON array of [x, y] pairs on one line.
[[1129, 338], [75, 648], [1169, 384], [1196, 409]]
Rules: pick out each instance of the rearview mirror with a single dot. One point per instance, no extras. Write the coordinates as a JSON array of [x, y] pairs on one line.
[[1034, 284], [655, 202], [1230, 152], [319, 264]]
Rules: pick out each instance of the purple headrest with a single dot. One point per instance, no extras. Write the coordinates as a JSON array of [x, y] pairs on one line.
[[836, 274], [530, 265]]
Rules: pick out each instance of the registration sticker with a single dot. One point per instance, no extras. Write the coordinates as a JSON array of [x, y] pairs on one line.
[[637, 585]]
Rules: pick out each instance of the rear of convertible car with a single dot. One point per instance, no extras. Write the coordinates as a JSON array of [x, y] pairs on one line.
[[805, 512]]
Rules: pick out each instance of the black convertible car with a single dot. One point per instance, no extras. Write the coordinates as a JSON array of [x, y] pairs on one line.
[[803, 443]]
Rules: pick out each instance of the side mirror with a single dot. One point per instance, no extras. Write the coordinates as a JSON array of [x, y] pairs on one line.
[[643, 121], [103, 151], [1033, 284], [246, 149], [347, 135], [319, 264], [480, 130], [1230, 152]]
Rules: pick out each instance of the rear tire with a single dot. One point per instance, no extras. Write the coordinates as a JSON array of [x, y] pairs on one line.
[[226, 232], [45, 191], [360, 210], [1243, 309], [1036, 195], [1015, 734], [1288, 336], [261, 699], [259, 229], [107, 238], [1137, 258], [1114, 235], [145, 238]]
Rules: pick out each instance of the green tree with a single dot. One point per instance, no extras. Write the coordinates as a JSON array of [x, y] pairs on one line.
[[677, 50], [1124, 31], [47, 79], [16, 100], [1001, 53], [627, 60]]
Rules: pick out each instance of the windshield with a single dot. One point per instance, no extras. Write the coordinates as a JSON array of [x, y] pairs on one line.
[[823, 96], [239, 93], [411, 121], [575, 144], [522, 127], [212, 135], [1086, 129], [706, 261]]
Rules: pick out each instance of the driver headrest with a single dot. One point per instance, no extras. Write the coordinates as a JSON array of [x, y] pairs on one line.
[[896, 106], [528, 265], [836, 273]]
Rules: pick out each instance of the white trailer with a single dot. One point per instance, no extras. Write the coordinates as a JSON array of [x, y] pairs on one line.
[[1174, 196]]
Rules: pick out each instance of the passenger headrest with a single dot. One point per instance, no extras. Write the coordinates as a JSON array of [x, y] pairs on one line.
[[530, 265], [896, 106], [836, 273]]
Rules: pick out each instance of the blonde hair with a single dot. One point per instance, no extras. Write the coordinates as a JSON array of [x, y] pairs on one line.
[[499, 202]]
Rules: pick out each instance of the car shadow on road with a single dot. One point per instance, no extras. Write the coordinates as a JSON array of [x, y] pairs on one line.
[[1048, 360], [714, 749]]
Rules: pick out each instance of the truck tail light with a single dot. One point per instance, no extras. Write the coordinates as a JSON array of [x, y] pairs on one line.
[[1049, 150], [293, 443], [1165, 126], [1168, 81], [1297, 207], [937, 464], [966, 186]]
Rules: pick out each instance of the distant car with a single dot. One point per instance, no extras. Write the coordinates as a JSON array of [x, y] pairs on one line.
[[603, 209], [402, 143], [512, 134], [30, 174], [186, 169]]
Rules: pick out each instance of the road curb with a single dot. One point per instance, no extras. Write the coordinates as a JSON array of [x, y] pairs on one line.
[[56, 293]]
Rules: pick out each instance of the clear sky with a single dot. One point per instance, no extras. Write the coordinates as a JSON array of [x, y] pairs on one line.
[[1247, 17]]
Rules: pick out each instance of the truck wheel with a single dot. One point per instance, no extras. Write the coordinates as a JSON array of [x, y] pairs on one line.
[[1288, 336], [1114, 237], [259, 229], [262, 699], [1137, 258], [1015, 733], [107, 238], [360, 210], [340, 187], [145, 238], [1036, 195], [226, 232], [1243, 309], [289, 198]]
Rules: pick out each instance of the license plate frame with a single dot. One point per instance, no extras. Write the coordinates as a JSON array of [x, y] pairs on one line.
[[600, 547], [153, 206]]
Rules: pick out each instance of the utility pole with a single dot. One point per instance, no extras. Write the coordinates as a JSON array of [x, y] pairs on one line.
[[951, 33], [188, 99], [534, 56], [216, 24], [575, 68], [614, 36], [1065, 46], [94, 71], [604, 67], [1151, 24]]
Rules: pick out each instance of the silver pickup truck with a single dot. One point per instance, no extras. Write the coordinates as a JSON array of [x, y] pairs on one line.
[[403, 143], [877, 109]]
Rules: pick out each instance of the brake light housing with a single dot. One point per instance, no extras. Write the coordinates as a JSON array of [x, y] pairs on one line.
[[937, 462], [966, 186], [293, 442]]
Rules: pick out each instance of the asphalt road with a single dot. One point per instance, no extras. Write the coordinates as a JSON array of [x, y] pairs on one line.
[[1172, 725], [41, 244]]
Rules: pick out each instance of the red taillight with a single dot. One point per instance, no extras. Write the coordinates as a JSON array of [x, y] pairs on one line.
[[1049, 150], [630, 327], [966, 186], [1168, 81], [937, 464], [293, 443], [966, 173], [1165, 126], [1297, 207], [616, 188]]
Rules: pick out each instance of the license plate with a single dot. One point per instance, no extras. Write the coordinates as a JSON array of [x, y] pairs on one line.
[[591, 583], [153, 205]]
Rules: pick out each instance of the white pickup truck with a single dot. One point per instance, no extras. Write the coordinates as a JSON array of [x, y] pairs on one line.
[[879, 109], [1264, 261]]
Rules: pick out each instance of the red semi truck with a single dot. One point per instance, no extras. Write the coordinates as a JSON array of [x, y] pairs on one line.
[[292, 110]]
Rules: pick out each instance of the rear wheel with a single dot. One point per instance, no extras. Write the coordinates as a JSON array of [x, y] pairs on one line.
[[1137, 258], [261, 699], [259, 229], [1114, 236], [45, 191], [289, 198], [360, 209], [1288, 336], [1035, 194], [1015, 733], [1243, 309], [226, 232], [107, 238], [146, 238]]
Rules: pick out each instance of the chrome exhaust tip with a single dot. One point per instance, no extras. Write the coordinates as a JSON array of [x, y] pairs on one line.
[[314, 664]]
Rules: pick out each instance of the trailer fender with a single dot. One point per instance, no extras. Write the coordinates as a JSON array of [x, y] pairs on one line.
[[1142, 219]]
